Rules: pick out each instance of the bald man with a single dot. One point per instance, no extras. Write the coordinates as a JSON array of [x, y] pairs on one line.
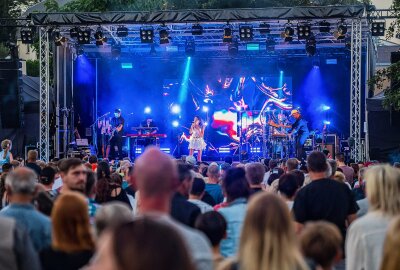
[[156, 177]]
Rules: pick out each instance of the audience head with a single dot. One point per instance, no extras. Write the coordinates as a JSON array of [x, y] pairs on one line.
[[186, 176], [93, 159], [273, 163], [291, 164], [15, 164], [235, 184], [156, 178], [6, 167], [299, 177], [110, 215], [6, 144], [213, 225], [255, 173], [391, 258], [103, 170], [32, 155], [383, 189], [47, 176], [198, 187], [90, 184], [340, 177], [22, 181], [333, 165], [213, 171], [340, 157], [321, 242], [73, 174], [316, 162], [228, 159], [136, 245], [288, 185], [272, 177], [70, 221], [268, 238]]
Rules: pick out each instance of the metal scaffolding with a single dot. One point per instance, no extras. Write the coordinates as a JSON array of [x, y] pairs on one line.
[[355, 89], [44, 95]]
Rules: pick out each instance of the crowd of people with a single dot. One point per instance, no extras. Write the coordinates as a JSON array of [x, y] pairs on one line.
[[165, 213]]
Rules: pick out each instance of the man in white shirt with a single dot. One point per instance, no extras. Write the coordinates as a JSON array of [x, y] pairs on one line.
[[196, 194]]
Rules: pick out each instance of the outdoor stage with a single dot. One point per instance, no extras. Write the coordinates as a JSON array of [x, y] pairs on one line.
[[236, 69]]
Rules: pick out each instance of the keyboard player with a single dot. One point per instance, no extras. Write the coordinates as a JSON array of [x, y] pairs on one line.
[[148, 127]]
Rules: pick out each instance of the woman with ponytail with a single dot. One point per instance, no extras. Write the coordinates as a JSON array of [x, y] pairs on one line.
[[5, 154]]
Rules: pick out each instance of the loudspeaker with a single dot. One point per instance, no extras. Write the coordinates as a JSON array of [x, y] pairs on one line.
[[11, 99]]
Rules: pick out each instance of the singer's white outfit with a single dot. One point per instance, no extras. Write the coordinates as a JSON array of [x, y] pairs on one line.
[[197, 142]]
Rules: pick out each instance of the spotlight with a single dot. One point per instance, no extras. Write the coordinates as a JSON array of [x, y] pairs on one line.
[[303, 31], [326, 122], [190, 47], [205, 123], [324, 27], [122, 31], [325, 108], [227, 33], [175, 123], [116, 51], [147, 110], [99, 37], [245, 32], [176, 109], [73, 32], [27, 35], [341, 31], [164, 36], [58, 38], [197, 30], [378, 29], [84, 36], [288, 33], [205, 109], [311, 46], [265, 28], [233, 48], [146, 34]]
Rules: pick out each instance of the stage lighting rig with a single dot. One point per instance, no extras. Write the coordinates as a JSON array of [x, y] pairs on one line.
[[245, 32], [146, 34], [84, 36], [122, 31], [341, 31], [99, 37], [58, 38], [73, 32], [227, 33], [197, 30], [303, 31], [288, 33], [27, 35], [378, 29], [311, 46], [324, 27], [190, 47], [265, 28], [164, 36]]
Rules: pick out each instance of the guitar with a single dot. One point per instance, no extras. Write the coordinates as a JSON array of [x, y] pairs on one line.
[[113, 132]]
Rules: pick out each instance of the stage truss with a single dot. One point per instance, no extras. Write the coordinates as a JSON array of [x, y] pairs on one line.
[[211, 44]]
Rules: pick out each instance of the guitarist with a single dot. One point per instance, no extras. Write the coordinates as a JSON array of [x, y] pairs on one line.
[[117, 125], [300, 130]]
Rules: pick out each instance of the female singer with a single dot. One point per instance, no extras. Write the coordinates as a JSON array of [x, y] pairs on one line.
[[196, 141]]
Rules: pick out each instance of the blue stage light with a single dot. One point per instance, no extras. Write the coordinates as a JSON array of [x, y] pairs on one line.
[[147, 110], [326, 122], [176, 109], [325, 108], [205, 109], [175, 123]]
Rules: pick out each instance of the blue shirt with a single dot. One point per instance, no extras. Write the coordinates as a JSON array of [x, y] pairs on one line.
[[4, 160], [37, 224], [234, 215], [300, 127], [215, 191]]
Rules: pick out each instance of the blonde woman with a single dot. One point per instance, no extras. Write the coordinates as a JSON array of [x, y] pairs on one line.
[[365, 238], [391, 258], [196, 141], [5, 154], [268, 239]]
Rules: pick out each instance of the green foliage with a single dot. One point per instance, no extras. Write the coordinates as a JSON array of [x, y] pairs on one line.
[[32, 68], [52, 6], [4, 51]]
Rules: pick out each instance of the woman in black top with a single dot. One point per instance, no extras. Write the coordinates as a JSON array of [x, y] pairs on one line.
[[72, 244]]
